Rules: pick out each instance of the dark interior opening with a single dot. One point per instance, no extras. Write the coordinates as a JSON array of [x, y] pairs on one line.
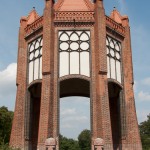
[[35, 101], [114, 103], [74, 87]]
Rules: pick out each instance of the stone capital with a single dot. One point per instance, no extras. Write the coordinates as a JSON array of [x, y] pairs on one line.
[[99, 144]]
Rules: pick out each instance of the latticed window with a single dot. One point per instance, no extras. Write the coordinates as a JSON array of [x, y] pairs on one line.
[[113, 58], [74, 53], [35, 59]]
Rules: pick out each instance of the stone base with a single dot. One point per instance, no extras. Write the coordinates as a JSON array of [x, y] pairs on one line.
[[98, 144], [50, 144]]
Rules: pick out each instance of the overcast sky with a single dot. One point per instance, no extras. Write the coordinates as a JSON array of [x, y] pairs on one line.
[[72, 116]]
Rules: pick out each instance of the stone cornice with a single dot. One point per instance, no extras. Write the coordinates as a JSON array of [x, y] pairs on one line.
[[67, 16], [110, 23], [74, 18], [38, 23]]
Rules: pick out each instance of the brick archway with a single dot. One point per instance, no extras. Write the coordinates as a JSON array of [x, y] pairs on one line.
[[71, 89], [74, 87], [32, 108], [114, 92]]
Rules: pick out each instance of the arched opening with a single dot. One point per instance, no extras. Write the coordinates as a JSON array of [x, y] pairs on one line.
[[35, 101], [74, 87], [114, 104], [74, 108]]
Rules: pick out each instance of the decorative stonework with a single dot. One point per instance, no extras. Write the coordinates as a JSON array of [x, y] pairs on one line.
[[74, 24], [64, 19], [98, 144], [113, 48], [67, 16], [35, 59], [74, 19], [50, 144], [74, 76], [34, 26], [74, 52], [110, 23]]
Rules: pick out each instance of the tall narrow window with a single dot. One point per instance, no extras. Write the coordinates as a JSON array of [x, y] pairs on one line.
[[35, 59], [74, 53], [113, 48]]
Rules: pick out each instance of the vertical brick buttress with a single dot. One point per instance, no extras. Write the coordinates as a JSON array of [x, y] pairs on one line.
[[17, 133], [47, 125], [133, 141], [101, 114]]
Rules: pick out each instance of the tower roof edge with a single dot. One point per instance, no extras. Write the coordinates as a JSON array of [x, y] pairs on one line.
[[32, 16], [72, 5], [117, 17]]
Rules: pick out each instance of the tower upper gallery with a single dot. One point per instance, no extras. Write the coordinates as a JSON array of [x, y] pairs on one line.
[[78, 11]]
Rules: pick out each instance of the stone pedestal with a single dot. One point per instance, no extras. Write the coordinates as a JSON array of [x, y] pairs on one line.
[[98, 144], [50, 144]]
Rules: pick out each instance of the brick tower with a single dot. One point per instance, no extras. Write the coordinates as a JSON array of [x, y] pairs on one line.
[[75, 49]]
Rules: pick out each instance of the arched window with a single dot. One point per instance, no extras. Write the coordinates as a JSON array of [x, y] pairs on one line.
[[35, 59], [113, 48], [74, 51]]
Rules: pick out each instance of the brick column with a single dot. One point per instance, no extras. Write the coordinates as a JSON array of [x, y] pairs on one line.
[[17, 133], [101, 113], [27, 124], [46, 110], [122, 112], [133, 137]]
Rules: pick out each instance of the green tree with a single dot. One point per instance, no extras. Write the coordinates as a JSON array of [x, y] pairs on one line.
[[145, 133], [68, 144], [6, 117], [84, 139]]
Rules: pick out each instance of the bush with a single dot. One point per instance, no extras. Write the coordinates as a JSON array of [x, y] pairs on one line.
[[145, 133], [6, 118], [6, 147]]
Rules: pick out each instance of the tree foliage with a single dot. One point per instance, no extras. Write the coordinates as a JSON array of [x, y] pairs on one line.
[[83, 143], [68, 144], [145, 133], [84, 139], [6, 117]]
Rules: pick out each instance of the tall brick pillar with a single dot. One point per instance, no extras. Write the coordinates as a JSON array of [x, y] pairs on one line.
[[17, 133], [46, 126], [101, 112], [133, 141]]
